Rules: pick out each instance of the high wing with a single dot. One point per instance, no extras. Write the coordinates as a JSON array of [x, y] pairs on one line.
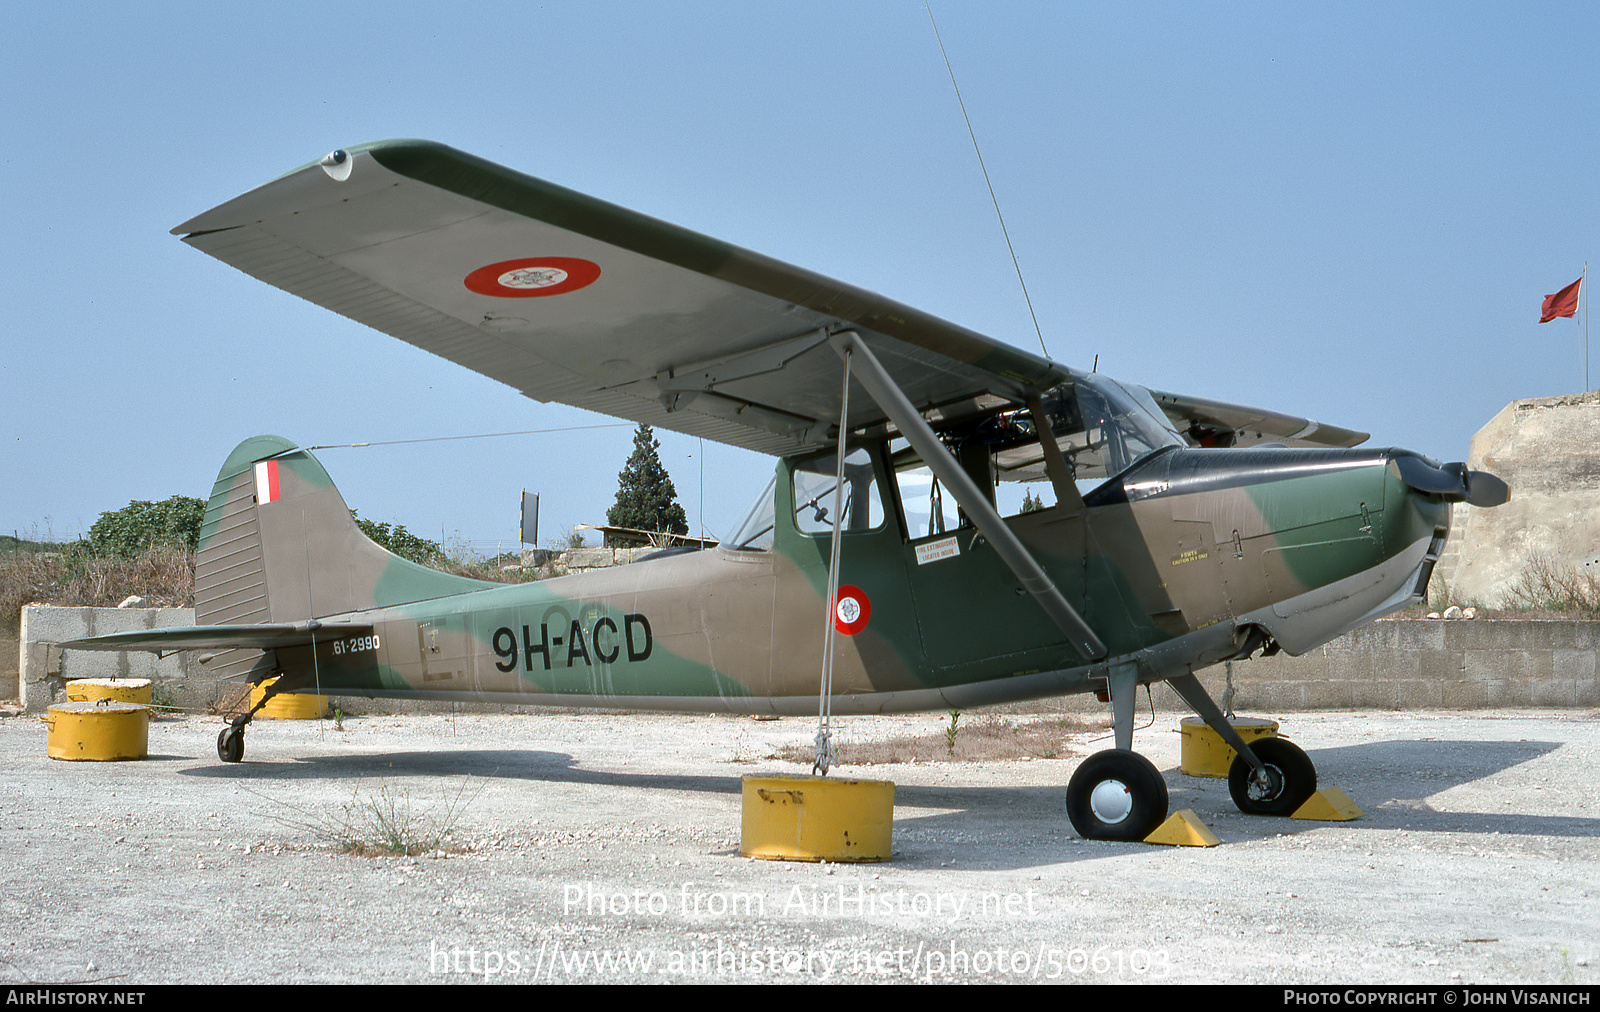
[[1216, 423], [567, 298], [570, 299]]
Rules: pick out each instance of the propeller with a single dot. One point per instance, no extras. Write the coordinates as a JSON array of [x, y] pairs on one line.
[[1451, 482], [1484, 489]]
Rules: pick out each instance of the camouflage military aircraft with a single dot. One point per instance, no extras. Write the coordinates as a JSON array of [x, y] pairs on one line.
[[1184, 532]]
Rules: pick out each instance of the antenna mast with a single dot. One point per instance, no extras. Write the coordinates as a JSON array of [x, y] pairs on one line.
[[985, 170]]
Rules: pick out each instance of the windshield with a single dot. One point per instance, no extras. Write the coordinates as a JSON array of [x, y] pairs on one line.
[[1121, 425], [1103, 427], [755, 534]]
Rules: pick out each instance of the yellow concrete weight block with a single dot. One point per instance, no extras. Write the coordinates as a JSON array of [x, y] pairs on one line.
[[122, 690], [103, 730], [289, 706], [1205, 754], [800, 818]]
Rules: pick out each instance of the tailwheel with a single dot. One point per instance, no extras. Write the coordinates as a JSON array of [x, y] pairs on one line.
[[1116, 795], [230, 744], [1288, 780]]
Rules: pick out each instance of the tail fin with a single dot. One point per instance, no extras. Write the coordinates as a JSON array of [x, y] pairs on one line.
[[278, 545]]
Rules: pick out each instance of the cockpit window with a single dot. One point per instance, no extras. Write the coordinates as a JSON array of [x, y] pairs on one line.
[[1102, 427], [928, 508], [815, 482], [812, 501], [1120, 427]]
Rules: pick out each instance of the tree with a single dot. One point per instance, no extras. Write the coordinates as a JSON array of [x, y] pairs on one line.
[[139, 526], [1031, 503], [401, 541], [646, 498]]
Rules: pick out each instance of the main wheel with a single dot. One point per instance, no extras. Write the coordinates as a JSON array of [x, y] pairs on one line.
[[1116, 795], [1289, 780], [230, 745]]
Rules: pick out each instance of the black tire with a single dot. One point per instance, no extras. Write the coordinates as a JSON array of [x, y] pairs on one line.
[[1291, 779], [1116, 795], [230, 745]]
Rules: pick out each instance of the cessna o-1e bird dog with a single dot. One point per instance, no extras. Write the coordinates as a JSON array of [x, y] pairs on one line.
[[1184, 531]]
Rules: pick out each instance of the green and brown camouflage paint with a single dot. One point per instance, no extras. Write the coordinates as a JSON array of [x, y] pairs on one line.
[[1187, 557], [1166, 551]]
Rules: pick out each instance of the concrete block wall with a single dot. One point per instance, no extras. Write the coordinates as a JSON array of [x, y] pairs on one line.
[[1423, 664], [44, 667], [576, 560], [1413, 664]]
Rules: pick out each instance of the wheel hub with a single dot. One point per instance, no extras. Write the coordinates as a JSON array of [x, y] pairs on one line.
[[1266, 784], [1111, 801]]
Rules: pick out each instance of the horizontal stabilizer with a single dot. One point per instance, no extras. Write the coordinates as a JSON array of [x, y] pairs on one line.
[[222, 637]]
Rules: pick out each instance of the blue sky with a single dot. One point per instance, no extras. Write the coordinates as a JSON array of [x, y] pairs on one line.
[[1350, 211]]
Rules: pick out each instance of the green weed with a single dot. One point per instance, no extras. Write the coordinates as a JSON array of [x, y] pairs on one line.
[[383, 823]]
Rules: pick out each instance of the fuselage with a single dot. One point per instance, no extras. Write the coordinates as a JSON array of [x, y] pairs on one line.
[[1175, 562]]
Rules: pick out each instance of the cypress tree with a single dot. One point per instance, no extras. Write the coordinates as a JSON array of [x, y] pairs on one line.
[[646, 498]]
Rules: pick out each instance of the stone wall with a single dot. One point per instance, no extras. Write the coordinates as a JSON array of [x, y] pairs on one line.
[[1547, 449]]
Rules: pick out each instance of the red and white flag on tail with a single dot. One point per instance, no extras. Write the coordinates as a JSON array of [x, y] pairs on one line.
[[1562, 303], [266, 481]]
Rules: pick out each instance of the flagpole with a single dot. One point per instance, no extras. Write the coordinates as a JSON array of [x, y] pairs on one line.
[[1583, 304]]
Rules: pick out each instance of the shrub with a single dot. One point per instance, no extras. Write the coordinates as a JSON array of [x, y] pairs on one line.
[[164, 575], [1548, 584], [402, 542], [139, 526]]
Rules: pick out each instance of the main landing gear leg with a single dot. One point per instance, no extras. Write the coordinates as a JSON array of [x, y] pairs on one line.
[[1122, 682], [1273, 777], [230, 743], [1118, 794]]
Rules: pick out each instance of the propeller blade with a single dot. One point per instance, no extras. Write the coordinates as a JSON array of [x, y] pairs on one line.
[[1451, 482], [1484, 489], [1424, 477]]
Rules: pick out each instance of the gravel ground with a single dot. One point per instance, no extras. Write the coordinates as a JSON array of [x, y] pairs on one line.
[[602, 847]]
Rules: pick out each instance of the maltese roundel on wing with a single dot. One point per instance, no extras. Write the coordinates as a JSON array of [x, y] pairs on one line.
[[533, 277]]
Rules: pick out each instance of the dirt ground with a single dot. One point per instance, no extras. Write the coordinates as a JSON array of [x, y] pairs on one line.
[[602, 847]]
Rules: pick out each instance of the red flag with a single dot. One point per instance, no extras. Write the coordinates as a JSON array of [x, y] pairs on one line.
[[1562, 303]]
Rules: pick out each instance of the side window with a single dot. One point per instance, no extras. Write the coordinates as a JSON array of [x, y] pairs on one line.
[[929, 508], [1016, 498], [814, 494]]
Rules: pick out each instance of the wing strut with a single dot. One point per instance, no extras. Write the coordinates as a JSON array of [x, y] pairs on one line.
[[826, 755], [871, 374]]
